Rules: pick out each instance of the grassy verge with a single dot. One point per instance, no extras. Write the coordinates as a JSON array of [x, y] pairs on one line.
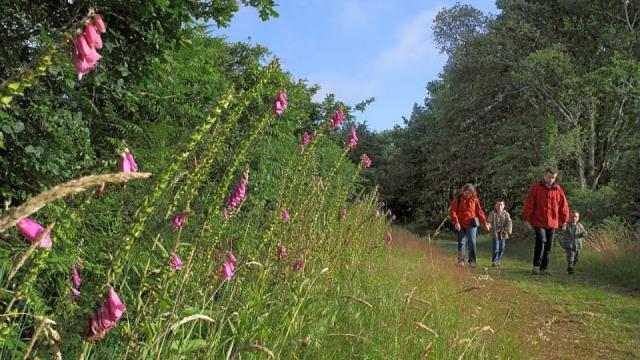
[[607, 313], [406, 305]]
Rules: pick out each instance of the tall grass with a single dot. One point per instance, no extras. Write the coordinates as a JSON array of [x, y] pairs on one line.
[[611, 253], [124, 241]]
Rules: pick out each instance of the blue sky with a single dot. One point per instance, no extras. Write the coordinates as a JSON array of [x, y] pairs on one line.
[[355, 49]]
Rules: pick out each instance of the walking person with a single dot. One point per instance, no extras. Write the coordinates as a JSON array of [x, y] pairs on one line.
[[545, 209], [573, 233], [500, 221], [466, 215]]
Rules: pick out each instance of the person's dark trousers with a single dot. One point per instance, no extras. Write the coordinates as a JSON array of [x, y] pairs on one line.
[[572, 256], [542, 249]]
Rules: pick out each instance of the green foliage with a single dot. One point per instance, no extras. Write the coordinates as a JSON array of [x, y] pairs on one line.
[[199, 117], [105, 107], [542, 83]]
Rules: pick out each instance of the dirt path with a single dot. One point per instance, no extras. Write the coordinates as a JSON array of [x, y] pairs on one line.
[[541, 329]]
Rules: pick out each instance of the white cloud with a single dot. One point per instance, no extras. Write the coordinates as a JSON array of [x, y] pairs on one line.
[[350, 88], [412, 45]]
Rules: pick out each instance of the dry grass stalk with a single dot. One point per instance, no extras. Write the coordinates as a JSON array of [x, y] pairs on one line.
[[420, 300], [72, 187], [422, 326], [426, 313], [407, 301], [585, 313], [258, 347], [54, 338], [506, 317], [175, 326], [482, 328], [353, 298], [427, 350], [34, 338], [27, 253]]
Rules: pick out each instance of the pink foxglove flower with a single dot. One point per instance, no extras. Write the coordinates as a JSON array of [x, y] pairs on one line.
[[99, 23], [125, 166], [298, 266], [93, 38], [282, 252], [83, 47], [89, 53], [131, 160], [31, 230], [82, 67], [225, 214], [338, 118], [106, 317], [176, 262], [231, 258], [343, 214], [388, 239], [75, 277], [85, 55], [241, 191], [306, 139], [179, 220], [284, 214], [353, 138], [75, 292], [365, 161], [227, 270], [280, 105]]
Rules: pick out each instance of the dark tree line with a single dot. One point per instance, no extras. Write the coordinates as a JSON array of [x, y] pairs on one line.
[[542, 83]]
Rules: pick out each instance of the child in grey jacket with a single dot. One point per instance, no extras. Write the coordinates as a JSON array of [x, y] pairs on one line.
[[573, 233], [500, 222]]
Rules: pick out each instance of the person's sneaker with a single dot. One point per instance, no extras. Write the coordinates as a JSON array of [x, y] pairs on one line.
[[546, 272], [461, 263], [494, 264], [570, 270], [472, 265], [536, 270]]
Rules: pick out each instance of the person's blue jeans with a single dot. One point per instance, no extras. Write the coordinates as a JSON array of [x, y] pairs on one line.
[[498, 249], [467, 236]]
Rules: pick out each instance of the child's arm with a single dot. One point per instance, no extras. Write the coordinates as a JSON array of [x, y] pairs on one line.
[[509, 224], [581, 233]]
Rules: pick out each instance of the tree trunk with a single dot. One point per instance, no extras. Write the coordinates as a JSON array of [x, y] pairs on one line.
[[581, 175], [591, 148]]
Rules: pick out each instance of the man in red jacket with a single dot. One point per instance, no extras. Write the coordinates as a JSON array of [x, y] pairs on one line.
[[546, 209]]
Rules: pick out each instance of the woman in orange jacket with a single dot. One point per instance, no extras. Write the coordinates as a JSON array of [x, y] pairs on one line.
[[466, 215]]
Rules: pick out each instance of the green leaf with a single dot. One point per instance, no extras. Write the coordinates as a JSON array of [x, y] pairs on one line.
[[195, 345], [13, 86]]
